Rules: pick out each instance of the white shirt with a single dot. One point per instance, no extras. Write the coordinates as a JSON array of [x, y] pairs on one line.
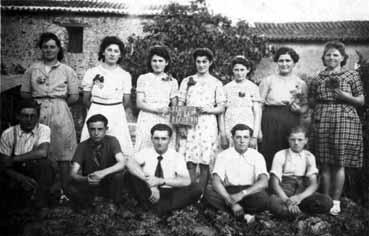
[[26, 142], [173, 163], [289, 163], [234, 168]]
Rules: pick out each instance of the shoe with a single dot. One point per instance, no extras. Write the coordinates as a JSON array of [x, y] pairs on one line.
[[249, 218], [336, 208]]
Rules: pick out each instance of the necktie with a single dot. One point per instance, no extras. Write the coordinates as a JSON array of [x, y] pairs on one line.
[[97, 152], [159, 170]]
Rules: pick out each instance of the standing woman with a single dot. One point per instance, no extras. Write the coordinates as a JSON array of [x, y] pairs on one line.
[[106, 90], [156, 90], [206, 92], [284, 96], [337, 139], [54, 85], [243, 102]]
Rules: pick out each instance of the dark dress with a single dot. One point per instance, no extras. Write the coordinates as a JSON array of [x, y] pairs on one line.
[[336, 135]]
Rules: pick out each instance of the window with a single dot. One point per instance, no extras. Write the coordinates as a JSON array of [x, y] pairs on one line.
[[75, 36]]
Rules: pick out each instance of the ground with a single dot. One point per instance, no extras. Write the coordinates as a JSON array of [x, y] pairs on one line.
[[198, 219]]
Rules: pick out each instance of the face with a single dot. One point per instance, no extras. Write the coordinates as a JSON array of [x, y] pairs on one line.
[[241, 140], [333, 58], [28, 118], [158, 64], [202, 64], [50, 50], [97, 130], [240, 72], [297, 141], [112, 54], [160, 140], [285, 64]]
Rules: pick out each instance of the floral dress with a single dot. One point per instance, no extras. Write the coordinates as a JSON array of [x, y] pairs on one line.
[[201, 144], [51, 90], [336, 137], [157, 92], [241, 97], [107, 88]]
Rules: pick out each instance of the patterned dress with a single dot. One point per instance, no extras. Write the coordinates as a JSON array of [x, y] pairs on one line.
[[241, 97], [106, 97], [201, 143], [51, 90], [336, 128], [157, 92]]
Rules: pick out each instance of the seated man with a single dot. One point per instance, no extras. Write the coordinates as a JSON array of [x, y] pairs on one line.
[[98, 164], [23, 157], [167, 184], [239, 177], [294, 179]]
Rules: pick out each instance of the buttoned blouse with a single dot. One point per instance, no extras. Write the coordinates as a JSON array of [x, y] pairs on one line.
[[279, 90], [173, 163], [115, 84], [206, 92], [59, 82], [26, 142], [234, 168], [157, 90], [289, 163]]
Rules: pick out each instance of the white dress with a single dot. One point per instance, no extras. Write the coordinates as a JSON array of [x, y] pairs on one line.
[[157, 93], [106, 98]]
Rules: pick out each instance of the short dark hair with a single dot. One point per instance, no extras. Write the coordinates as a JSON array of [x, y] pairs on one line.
[[160, 51], [286, 50], [299, 129], [161, 127], [243, 61], [28, 103], [45, 37], [336, 45], [241, 127], [97, 118], [106, 42]]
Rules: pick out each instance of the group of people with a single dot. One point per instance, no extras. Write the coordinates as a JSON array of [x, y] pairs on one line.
[[240, 118]]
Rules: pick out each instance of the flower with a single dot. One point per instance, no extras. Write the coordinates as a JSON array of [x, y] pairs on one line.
[[333, 83], [191, 82], [98, 78], [241, 94], [41, 80], [168, 78]]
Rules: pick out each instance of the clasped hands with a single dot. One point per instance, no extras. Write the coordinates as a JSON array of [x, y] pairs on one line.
[[95, 177], [232, 202], [153, 182], [292, 204]]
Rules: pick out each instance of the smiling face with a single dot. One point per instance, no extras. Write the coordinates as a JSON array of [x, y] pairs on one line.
[[160, 140], [285, 64], [333, 58], [203, 64], [50, 50], [158, 64], [112, 54], [97, 130], [240, 72]]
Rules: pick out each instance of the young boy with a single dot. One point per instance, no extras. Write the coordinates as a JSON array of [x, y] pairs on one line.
[[294, 179]]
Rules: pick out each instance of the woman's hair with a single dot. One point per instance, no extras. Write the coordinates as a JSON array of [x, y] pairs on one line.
[[243, 61], [45, 37], [286, 50], [336, 45], [204, 52], [160, 51], [106, 42]]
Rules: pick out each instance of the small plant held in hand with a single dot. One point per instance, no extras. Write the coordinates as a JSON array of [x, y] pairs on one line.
[[297, 96], [333, 83]]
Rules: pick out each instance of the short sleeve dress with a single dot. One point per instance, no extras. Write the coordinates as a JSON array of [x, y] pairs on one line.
[[51, 89], [106, 99], [241, 98], [336, 135], [157, 92], [201, 144]]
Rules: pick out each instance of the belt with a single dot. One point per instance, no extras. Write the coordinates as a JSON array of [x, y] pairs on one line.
[[107, 104]]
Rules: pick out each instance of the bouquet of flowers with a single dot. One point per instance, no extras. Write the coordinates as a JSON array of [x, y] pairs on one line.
[[333, 83]]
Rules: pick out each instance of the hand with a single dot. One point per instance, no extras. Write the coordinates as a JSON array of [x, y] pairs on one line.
[[204, 110], [237, 210], [182, 132], [163, 111], [341, 95], [237, 196], [155, 195], [292, 206], [295, 199], [295, 107], [260, 136], [224, 143], [253, 142], [95, 177], [154, 181]]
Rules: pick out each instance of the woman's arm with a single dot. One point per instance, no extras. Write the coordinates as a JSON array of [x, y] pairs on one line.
[[347, 97], [86, 99], [142, 105], [126, 100]]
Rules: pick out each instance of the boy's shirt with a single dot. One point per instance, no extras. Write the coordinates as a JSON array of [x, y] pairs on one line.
[[289, 163]]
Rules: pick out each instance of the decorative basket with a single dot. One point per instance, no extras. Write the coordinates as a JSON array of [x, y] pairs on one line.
[[184, 116]]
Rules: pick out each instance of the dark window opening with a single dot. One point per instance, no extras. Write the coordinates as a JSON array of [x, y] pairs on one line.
[[75, 36]]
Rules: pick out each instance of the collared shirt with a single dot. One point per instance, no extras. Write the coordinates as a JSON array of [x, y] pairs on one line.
[[25, 142], [234, 168], [173, 163], [60, 81], [84, 155], [289, 163]]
